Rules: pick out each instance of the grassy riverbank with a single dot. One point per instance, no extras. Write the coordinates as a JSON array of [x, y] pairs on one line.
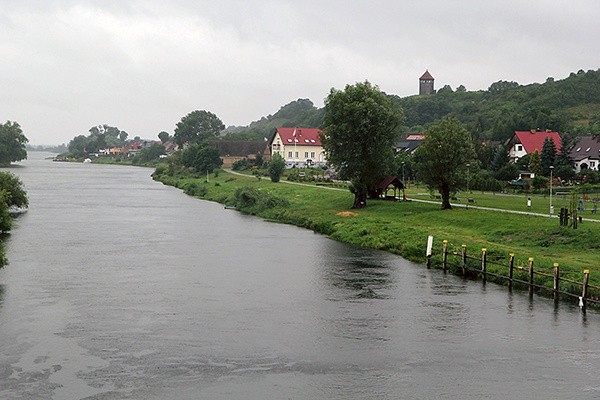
[[402, 227]]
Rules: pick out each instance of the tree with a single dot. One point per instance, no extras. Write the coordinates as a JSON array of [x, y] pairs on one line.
[[535, 164], [149, 154], [14, 193], [276, 167], [360, 126], [500, 158], [548, 156], [78, 146], [444, 158], [164, 137], [12, 143], [201, 158], [197, 127]]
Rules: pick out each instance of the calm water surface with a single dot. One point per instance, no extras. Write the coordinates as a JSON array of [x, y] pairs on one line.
[[121, 288]]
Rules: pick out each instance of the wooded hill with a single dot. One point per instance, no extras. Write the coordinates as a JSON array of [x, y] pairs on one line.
[[570, 106]]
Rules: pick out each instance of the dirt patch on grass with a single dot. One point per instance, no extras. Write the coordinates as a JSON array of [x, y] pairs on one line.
[[346, 214]]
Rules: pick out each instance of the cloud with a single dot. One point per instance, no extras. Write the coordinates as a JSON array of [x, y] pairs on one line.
[[142, 65]]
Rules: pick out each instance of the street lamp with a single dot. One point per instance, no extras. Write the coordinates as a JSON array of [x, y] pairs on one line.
[[551, 207], [403, 183], [468, 176]]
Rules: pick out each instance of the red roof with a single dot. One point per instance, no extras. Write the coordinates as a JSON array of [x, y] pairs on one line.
[[426, 75], [534, 140], [302, 136]]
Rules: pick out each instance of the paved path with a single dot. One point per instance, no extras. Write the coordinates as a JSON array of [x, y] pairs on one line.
[[425, 201]]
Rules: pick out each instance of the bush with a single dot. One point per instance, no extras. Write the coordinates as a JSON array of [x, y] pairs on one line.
[[253, 201]]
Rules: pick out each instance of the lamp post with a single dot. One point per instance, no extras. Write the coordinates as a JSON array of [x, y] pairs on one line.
[[551, 207], [468, 176], [403, 183]]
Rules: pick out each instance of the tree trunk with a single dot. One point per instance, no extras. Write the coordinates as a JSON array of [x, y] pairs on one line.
[[360, 200], [445, 192]]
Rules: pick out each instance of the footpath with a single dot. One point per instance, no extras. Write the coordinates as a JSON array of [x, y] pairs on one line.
[[424, 201]]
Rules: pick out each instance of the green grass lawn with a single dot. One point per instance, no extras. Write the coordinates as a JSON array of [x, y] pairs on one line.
[[403, 227]]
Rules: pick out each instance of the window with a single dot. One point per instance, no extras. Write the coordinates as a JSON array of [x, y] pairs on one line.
[[592, 164], [312, 154], [289, 154], [519, 147], [296, 154], [306, 154]]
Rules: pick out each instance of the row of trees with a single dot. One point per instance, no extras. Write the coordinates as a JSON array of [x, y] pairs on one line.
[[12, 193]]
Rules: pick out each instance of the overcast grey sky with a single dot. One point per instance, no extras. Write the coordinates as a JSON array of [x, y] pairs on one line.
[[66, 66]]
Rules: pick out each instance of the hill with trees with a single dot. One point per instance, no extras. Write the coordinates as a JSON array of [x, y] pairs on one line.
[[570, 106]]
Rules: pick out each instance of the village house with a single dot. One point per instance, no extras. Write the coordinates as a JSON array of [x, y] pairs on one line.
[[299, 147], [586, 153], [527, 142], [231, 151], [409, 145]]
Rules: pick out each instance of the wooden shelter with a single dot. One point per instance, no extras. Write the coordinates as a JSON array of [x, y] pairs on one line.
[[389, 188]]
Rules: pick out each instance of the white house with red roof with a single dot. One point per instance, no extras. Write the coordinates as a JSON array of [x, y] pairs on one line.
[[299, 147], [527, 142]]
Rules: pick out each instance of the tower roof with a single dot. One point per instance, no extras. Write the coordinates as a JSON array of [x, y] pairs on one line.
[[426, 75]]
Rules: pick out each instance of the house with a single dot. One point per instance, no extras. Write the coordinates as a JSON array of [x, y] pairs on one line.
[[299, 147], [231, 151], [527, 142], [586, 153], [408, 145]]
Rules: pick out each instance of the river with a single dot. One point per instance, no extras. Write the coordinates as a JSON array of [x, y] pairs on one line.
[[121, 288]]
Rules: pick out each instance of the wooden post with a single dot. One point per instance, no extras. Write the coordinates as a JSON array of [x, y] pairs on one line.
[[445, 256], [584, 290], [556, 282], [511, 267], [484, 264], [530, 276], [464, 258], [429, 250]]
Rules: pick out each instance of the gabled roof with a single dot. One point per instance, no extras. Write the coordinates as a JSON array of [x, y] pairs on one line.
[[420, 136], [407, 146], [300, 136], [534, 140], [586, 147], [426, 75], [390, 180]]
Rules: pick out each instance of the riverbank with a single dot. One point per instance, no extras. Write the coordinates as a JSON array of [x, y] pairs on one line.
[[403, 227]]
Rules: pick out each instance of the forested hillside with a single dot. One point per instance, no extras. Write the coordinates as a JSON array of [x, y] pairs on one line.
[[569, 106]]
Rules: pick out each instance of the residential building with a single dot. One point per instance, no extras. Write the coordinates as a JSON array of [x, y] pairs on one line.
[[231, 151], [299, 147], [409, 145], [586, 153], [527, 142]]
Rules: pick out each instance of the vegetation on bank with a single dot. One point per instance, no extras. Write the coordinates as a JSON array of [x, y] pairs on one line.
[[402, 227]]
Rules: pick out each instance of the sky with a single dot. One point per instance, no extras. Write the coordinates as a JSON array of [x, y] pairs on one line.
[[141, 66]]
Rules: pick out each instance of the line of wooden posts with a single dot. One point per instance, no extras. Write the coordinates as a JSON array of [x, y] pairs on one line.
[[583, 296]]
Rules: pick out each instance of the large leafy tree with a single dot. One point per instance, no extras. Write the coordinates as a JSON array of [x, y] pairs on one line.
[[445, 158], [12, 143], [201, 158], [197, 127], [360, 126]]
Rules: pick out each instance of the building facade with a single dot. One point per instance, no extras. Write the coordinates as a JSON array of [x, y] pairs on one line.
[[299, 147]]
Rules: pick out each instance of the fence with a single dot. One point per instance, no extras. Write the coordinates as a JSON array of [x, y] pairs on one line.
[[527, 275]]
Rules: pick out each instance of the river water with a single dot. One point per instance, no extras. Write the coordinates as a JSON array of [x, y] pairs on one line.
[[121, 288]]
